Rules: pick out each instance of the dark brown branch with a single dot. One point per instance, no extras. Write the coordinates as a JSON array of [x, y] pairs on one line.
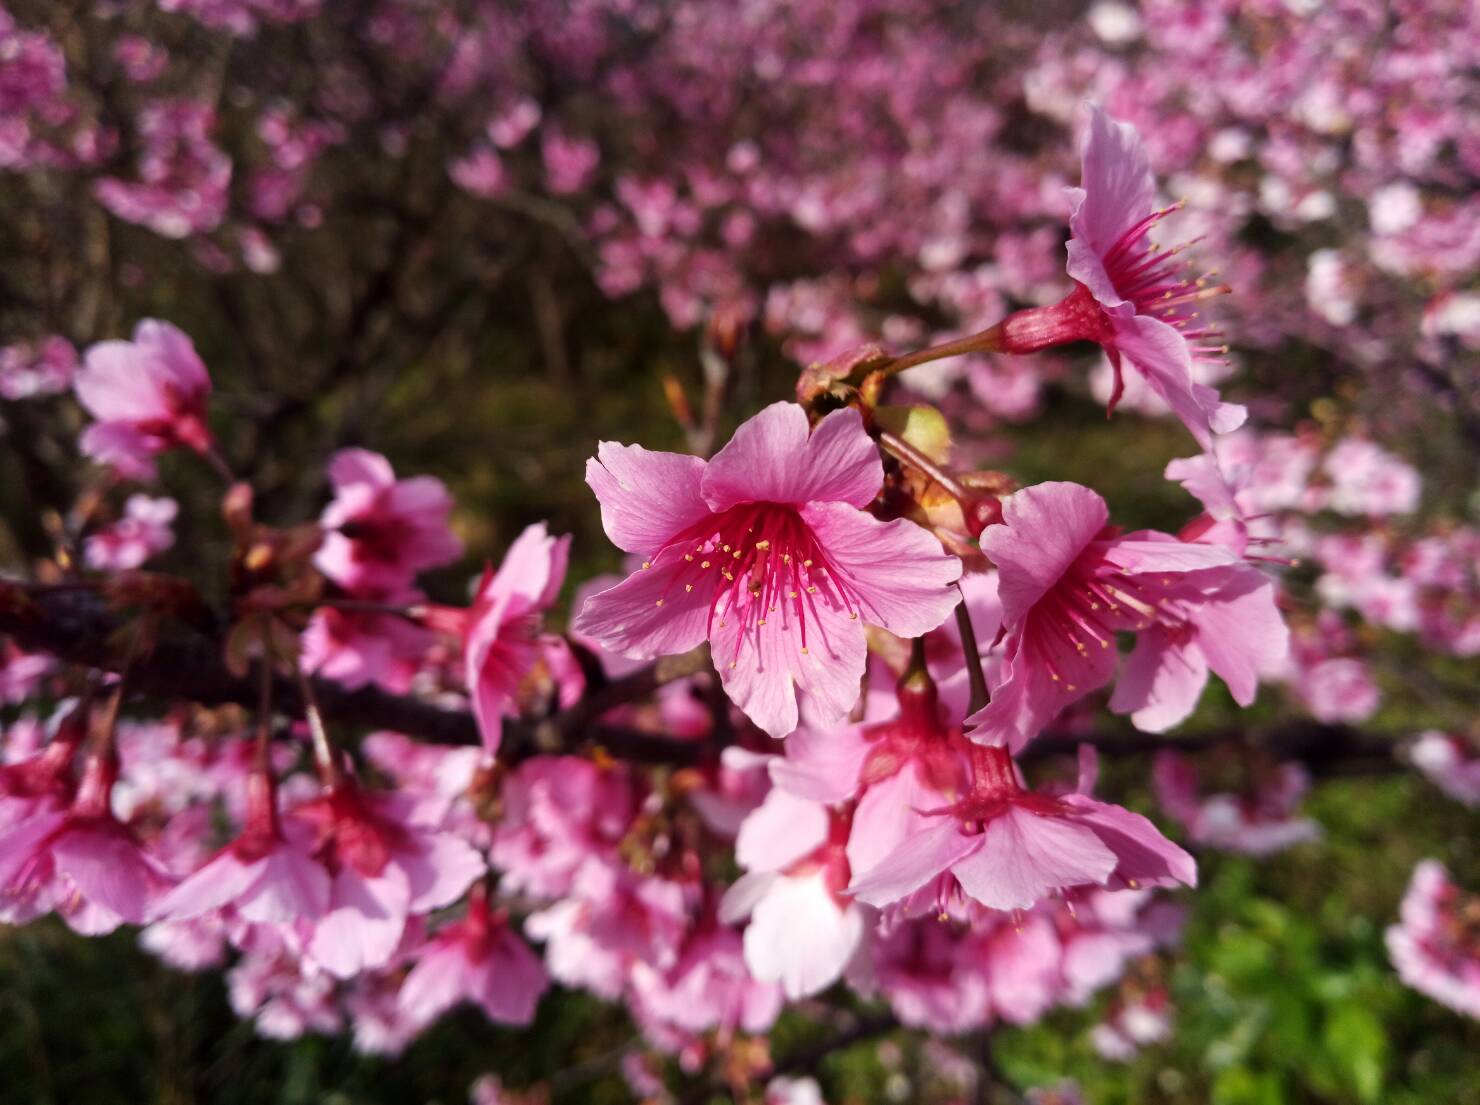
[[185, 663]]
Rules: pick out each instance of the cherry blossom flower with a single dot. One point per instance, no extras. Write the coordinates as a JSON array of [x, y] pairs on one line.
[[1257, 823], [1131, 298], [47, 368], [147, 395], [381, 531], [1450, 763], [1434, 946], [479, 960], [766, 551], [1007, 847], [1069, 583], [501, 632], [384, 869], [264, 877], [145, 529], [803, 929], [82, 862]]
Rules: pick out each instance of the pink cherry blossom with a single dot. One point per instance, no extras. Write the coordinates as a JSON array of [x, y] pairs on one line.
[[1259, 822], [381, 531], [1007, 848], [1450, 763], [803, 929], [1069, 583], [1130, 298], [1433, 946], [479, 960], [147, 395], [359, 647], [766, 551], [384, 868], [263, 877], [500, 634], [28, 371], [82, 862], [146, 529]]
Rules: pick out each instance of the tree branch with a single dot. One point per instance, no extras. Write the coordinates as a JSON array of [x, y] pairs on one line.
[[78, 627]]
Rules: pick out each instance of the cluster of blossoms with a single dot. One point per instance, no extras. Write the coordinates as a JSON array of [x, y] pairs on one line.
[[868, 649]]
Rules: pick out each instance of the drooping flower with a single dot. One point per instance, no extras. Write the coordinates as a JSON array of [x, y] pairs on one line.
[[500, 633], [1259, 822], [1007, 847], [82, 862], [1131, 297], [145, 529], [766, 551], [385, 868], [381, 531], [147, 395], [803, 930], [478, 959], [1069, 582], [264, 877], [1436, 945]]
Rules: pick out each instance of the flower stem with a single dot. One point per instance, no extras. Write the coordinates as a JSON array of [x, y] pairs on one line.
[[323, 753], [980, 696], [984, 341]]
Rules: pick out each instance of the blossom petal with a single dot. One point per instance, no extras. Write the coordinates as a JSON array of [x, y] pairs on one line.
[[914, 863], [898, 572], [1241, 633], [774, 458], [1024, 857], [1161, 681], [646, 497], [801, 937], [1143, 855], [1162, 357], [780, 831], [1045, 528], [647, 614]]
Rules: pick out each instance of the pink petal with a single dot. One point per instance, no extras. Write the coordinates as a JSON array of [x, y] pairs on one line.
[[108, 869], [773, 458], [821, 765], [801, 937], [1045, 528], [1162, 357], [291, 886], [360, 466], [1024, 857], [1241, 633], [1161, 681], [647, 614], [1117, 193], [898, 572], [510, 987], [888, 815], [763, 666], [744, 895], [780, 831], [914, 863], [364, 925], [439, 981], [646, 498], [439, 868], [218, 883], [1143, 855]]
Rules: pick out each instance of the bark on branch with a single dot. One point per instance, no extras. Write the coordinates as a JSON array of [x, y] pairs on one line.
[[185, 663]]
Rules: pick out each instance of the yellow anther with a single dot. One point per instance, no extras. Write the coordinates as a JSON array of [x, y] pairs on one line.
[[660, 602]]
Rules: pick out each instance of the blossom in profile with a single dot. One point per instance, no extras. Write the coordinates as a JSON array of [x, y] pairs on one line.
[[1450, 763], [1069, 583], [146, 529], [379, 532], [1132, 298], [264, 877], [767, 552], [804, 929], [1007, 847], [385, 868], [1433, 946], [147, 395], [477, 959], [501, 634], [81, 862], [1257, 822]]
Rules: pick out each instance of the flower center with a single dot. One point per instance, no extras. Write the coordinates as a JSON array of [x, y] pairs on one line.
[[1162, 286], [756, 562]]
